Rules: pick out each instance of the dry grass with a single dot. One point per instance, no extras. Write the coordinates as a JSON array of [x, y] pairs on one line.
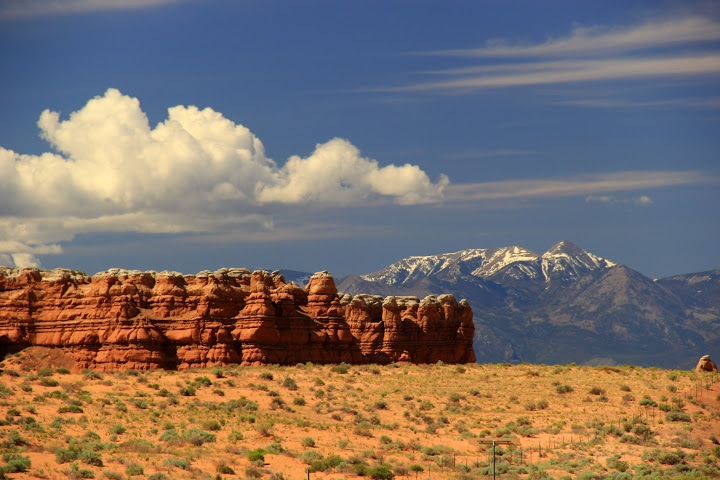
[[424, 421]]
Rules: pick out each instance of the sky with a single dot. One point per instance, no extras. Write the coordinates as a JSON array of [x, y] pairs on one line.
[[346, 135]]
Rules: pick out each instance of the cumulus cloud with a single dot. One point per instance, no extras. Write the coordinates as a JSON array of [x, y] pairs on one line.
[[197, 171]]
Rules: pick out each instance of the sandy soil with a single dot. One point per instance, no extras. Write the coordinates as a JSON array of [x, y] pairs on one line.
[[427, 421]]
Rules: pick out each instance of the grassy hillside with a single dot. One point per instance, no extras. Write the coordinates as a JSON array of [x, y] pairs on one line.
[[347, 422]]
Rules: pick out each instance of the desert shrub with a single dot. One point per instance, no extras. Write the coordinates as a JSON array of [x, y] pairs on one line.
[[341, 368], [597, 391], [16, 463], [671, 458], [91, 458], [118, 429], [225, 470], [677, 417], [364, 429], [158, 476], [177, 462], [77, 472], [92, 375], [138, 445], [170, 435], [308, 442], [197, 436], [264, 428], [62, 371], [66, 455], [253, 472], [542, 404], [266, 376], [49, 382], [289, 383], [381, 405], [203, 381], [275, 448], [380, 472], [113, 475], [299, 401], [187, 391], [562, 389], [212, 425], [45, 372], [133, 469], [624, 388], [235, 436], [257, 454], [647, 401], [664, 407]]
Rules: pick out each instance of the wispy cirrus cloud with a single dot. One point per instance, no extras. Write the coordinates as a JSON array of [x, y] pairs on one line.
[[597, 186], [600, 39], [641, 201], [10, 9], [670, 48]]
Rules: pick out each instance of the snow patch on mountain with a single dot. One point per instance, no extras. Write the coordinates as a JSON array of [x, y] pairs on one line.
[[565, 260]]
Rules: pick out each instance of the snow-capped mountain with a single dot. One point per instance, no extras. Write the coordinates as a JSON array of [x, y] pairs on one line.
[[564, 261], [564, 305]]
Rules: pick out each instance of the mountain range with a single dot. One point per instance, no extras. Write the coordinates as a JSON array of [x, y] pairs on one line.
[[566, 305]]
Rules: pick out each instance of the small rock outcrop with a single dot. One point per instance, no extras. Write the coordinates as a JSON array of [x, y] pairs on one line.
[[706, 365], [123, 319]]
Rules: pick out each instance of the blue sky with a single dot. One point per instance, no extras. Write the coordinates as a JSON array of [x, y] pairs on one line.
[[345, 135]]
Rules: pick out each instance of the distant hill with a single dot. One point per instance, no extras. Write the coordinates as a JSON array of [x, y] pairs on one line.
[[566, 305]]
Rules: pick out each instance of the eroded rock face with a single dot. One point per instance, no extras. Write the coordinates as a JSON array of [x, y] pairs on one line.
[[122, 319], [706, 365]]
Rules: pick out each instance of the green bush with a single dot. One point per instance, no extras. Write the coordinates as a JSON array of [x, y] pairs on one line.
[[170, 435], [341, 368], [212, 425], [266, 376], [308, 442], [177, 462], [134, 469], [235, 436], [225, 470], [299, 401], [677, 417], [255, 455], [45, 372], [198, 437], [562, 389], [15, 463], [158, 476], [187, 391], [49, 382], [118, 429], [380, 472], [289, 383]]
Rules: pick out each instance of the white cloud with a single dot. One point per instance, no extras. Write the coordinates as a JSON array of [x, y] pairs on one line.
[[668, 48], [594, 187], [195, 172], [572, 71], [33, 8], [641, 201], [600, 39]]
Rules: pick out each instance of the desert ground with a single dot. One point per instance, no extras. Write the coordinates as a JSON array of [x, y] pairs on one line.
[[348, 421]]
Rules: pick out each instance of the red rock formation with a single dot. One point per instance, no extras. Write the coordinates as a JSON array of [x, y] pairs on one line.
[[131, 319], [706, 365]]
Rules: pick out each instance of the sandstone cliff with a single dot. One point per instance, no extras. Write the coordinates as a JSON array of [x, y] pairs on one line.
[[122, 319]]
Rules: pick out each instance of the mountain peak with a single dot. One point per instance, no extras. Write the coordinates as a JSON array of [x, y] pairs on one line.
[[565, 247]]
